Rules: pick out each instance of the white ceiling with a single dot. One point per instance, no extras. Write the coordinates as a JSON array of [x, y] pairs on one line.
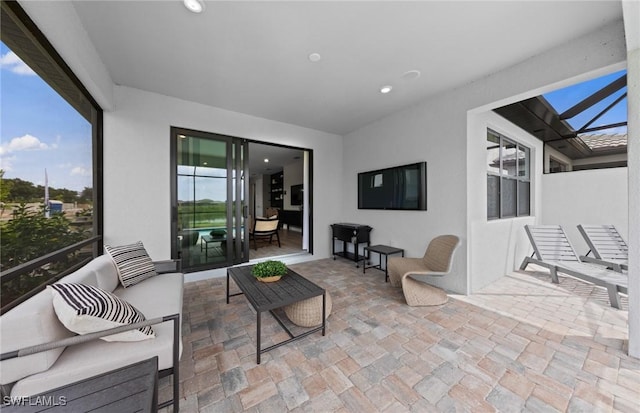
[[252, 57]]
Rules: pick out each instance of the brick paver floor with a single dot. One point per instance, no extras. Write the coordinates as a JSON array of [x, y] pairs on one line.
[[519, 344]]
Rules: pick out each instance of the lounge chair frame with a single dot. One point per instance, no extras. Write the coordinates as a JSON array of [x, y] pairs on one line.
[[553, 251], [607, 245]]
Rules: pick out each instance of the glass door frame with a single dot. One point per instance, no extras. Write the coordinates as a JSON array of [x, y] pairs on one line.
[[237, 192]]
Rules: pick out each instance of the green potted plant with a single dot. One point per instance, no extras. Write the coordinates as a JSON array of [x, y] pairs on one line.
[[269, 271]]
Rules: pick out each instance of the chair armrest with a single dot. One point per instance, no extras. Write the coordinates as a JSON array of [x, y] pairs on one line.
[[175, 368], [615, 266], [166, 266], [79, 339], [426, 272]]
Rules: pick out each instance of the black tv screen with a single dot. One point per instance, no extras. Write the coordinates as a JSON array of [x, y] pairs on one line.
[[402, 187]]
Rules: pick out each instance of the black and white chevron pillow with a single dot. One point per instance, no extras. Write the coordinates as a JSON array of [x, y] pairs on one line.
[[86, 309], [133, 263]]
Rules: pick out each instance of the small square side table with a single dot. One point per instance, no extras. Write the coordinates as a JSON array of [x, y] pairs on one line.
[[381, 250], [207, 239]]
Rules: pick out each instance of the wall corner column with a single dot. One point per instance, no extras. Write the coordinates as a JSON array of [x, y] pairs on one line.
[[631, 12]]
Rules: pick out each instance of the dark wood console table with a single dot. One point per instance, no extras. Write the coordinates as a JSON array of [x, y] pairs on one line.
[[355, 234], [290, 218]]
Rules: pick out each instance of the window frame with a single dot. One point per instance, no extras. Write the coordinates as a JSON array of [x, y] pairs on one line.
[[503, 142], [22, 36]]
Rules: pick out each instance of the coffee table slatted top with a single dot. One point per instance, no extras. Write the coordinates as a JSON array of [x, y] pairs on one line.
[[291, 288]]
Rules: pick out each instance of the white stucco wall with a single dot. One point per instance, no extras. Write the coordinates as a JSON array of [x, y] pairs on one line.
[[136, 164], [429, 132], [259, 196], [596, 196], [633, 111], [436, 131], [293, 175], [498, 245], [631, 13]]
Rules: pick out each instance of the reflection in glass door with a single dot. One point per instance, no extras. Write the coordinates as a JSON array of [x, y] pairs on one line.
[[208, 194]]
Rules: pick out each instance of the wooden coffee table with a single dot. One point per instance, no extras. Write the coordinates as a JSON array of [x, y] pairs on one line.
[[291, 288]]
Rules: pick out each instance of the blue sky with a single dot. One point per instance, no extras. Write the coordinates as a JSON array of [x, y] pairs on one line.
[[39, 130], [565, 98]]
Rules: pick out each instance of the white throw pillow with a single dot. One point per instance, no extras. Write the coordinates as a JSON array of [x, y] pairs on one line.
[[132, 262], [86, 309]]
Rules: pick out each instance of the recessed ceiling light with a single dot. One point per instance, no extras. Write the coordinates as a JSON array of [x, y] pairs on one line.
[[315, 57], [195, 6], [204, 163], [385, 89], [411, 74], [266, 160], [182, 137]]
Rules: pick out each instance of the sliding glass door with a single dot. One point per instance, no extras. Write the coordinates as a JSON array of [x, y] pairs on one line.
[[209, 193]]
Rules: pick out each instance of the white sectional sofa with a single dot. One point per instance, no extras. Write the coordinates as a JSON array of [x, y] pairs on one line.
[[34, 322]]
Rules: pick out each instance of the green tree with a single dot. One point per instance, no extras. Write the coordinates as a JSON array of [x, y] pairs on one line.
[[24, 191], [5, 190], [64, 195], [86, 196], [30, 235]]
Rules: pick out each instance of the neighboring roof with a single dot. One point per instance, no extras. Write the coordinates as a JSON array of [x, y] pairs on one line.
[[540, 118], [604, 141]]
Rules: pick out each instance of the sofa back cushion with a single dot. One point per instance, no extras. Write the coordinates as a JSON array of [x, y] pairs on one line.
[[132, 263], [105, 272]]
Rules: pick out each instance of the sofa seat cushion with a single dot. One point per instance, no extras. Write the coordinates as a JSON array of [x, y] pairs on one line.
[[86, 309], [155, 297]]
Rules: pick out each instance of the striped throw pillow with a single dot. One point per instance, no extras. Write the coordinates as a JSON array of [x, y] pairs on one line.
[[133, 263], [86, 309]]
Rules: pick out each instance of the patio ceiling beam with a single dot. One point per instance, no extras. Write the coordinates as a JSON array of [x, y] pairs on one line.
[[595, 98], [597, 128], [615, 102]]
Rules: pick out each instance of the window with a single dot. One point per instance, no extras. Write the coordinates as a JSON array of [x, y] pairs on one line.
[[50, 163], [556, 165], [508, 177]]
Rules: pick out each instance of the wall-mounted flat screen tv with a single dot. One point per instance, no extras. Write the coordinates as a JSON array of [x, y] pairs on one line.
[[402, 187]]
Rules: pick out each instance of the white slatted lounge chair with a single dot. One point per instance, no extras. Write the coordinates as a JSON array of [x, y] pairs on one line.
[[606, 245], [553, 251]]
